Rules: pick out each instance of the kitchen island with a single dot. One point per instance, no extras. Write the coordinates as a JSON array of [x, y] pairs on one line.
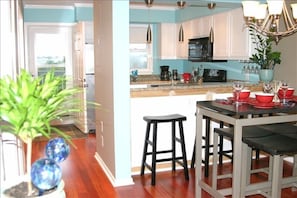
[[166, 99], [168, 88]]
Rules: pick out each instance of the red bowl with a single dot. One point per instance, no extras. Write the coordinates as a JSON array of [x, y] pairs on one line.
[[264, 97], [244, 94], [289, 93]]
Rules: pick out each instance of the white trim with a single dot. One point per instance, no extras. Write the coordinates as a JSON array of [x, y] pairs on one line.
[[49, 7], [48, 24], [115, 182], [83, 5], [154, 7]]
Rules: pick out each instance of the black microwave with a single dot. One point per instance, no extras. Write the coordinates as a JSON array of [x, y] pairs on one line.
[[200, 50]]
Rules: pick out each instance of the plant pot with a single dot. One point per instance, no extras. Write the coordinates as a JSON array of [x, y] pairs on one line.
[[58, 192], [266, 75]]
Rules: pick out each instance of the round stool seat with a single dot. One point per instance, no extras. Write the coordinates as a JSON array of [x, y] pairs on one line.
[[165, 118]]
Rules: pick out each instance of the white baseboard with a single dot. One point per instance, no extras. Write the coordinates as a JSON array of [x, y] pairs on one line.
[[115, 182]]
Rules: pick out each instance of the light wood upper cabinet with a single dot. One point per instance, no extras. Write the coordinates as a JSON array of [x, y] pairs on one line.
[[201, 26], [182, 47], [168, 41], [221, 29], [231, 37], [240, 42]]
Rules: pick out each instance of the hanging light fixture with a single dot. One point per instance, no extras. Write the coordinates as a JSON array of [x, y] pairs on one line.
[[265, 18], [181, 5], [149, 4]]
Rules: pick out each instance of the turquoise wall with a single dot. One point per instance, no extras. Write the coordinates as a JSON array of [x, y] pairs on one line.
[[57, 15], [75, 14]]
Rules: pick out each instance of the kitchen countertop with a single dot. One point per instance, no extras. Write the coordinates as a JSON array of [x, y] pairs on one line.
[[165, 88]]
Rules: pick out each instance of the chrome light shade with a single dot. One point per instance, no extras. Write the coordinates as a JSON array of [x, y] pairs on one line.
[[265, 18]]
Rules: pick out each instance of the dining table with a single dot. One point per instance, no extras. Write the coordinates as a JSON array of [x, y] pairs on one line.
[[239, 115]]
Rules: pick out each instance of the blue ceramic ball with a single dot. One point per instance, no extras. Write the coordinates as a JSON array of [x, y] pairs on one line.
[[57, 149], [45, 174]]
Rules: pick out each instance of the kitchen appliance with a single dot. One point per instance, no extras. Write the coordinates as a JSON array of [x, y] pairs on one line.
[[214, 75], [200, 49], [175, 74], [165, 73], [89, 86]]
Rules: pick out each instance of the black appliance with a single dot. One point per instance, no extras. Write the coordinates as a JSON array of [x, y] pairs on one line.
[[165, 73], [200, 50], [214, 75]]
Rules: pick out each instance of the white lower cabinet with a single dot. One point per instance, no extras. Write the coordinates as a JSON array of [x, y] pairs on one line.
[[185, 105]]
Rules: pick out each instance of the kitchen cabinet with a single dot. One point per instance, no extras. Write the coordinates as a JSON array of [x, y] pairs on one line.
[[170, 47], [231, 37], [241, 46], [182, 47], [201, 26], [221, 28], [168, 41]]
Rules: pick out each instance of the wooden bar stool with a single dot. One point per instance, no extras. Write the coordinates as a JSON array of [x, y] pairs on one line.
[[207, 146], [277, 146], [182, 160]]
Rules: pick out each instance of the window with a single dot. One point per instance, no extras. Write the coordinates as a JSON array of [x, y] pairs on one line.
[[140, 51], [49, 47]]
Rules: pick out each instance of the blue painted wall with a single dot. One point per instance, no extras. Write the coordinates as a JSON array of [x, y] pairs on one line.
[[58, 15], [75, 14]]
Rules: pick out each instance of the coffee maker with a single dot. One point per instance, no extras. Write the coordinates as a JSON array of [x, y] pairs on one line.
[[165, 73]]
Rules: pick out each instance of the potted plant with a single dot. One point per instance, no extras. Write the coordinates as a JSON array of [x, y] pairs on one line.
[[28, 105], [264, 56]]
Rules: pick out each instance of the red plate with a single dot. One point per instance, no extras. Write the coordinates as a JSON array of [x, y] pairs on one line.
[[287, 97], [260, 105]]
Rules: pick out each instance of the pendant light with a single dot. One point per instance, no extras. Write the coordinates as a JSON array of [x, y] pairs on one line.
[[149, 34], [211, 35], [181, 4], [149, 4]]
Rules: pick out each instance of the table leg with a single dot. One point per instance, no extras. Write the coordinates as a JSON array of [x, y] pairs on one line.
[[199, 126], [237, 159]]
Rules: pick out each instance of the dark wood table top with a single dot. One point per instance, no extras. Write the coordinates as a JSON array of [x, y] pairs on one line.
[[250, 107]]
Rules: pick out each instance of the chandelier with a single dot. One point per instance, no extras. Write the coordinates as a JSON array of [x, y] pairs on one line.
[[265, 18]]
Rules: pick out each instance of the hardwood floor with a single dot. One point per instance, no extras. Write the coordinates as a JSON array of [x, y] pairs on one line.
[[84, 178]]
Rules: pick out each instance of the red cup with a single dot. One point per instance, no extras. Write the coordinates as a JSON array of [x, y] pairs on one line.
[[264, 97], [186, 77], [289, 93]]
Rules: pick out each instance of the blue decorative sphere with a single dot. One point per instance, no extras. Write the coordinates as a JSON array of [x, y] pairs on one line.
[[57, 149], [46, 174]]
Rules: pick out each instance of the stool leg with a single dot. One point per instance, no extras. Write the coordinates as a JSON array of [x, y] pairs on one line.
[[146, 140], [173, 144], [183, 147], [193, 155], [206, 150], [154, 154], [277, 176], [221, 146]]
